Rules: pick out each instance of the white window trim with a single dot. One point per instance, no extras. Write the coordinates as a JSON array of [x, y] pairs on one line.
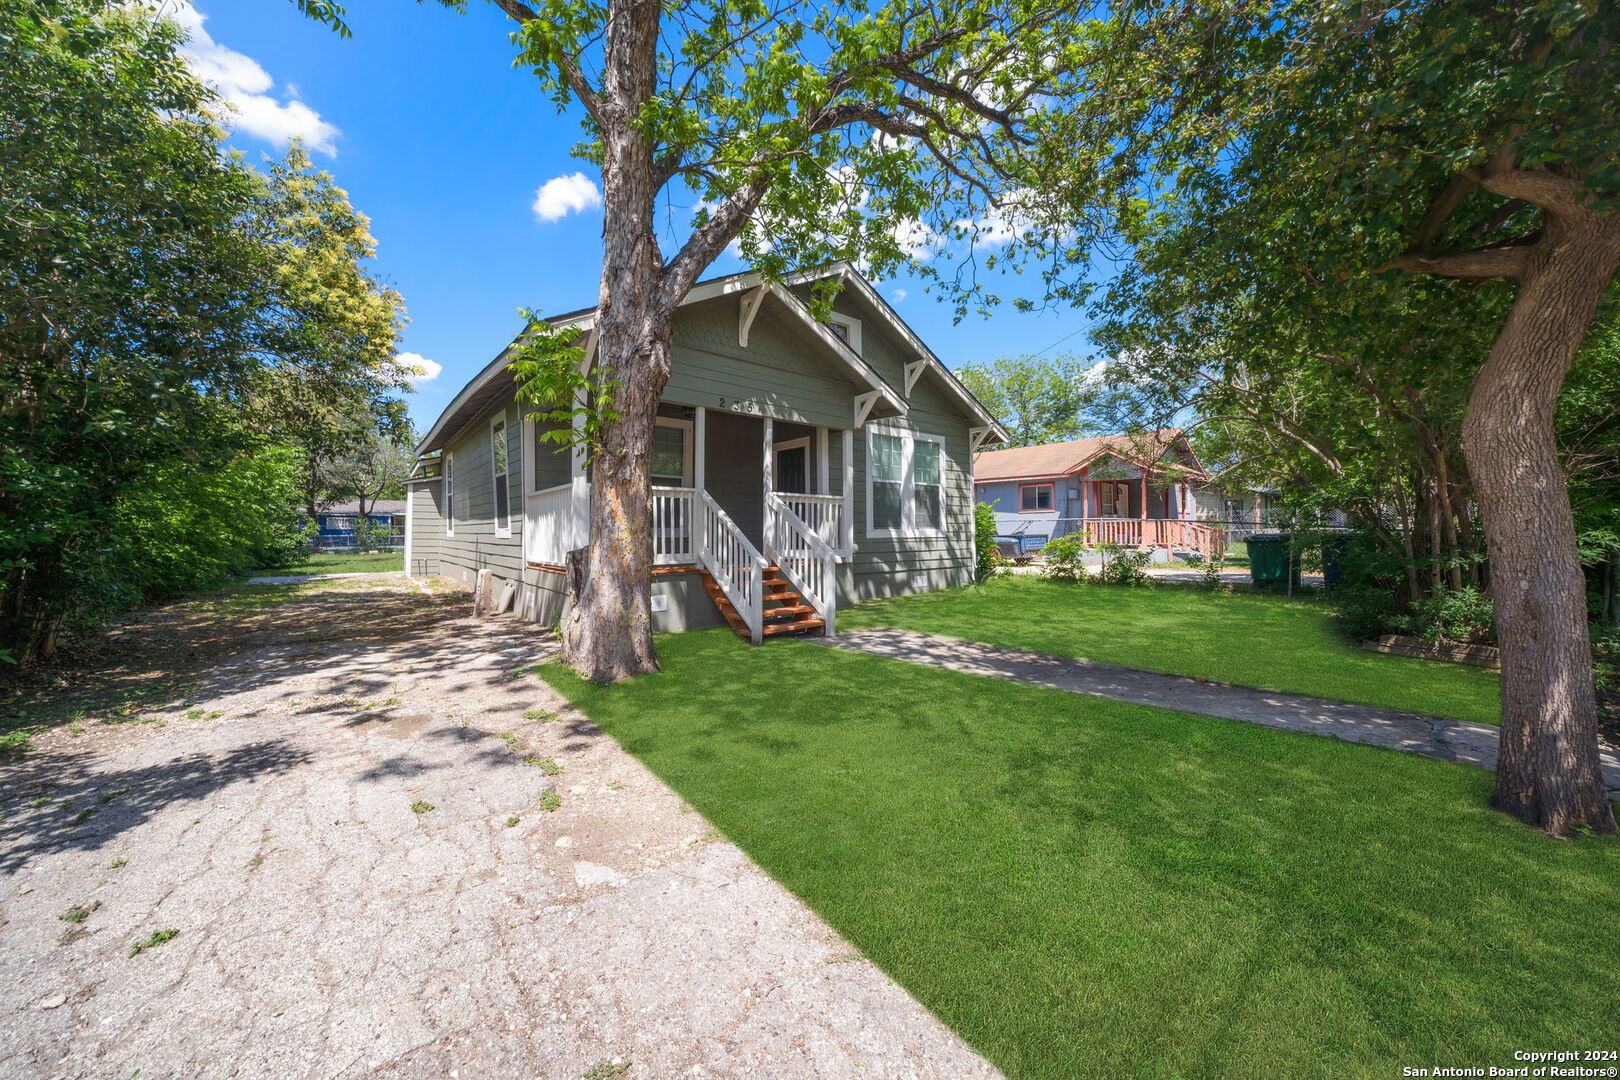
[[908, 483], [853, 325], [1051, 509], [449, 493], [792, 444], [500, 478], [686, 444]]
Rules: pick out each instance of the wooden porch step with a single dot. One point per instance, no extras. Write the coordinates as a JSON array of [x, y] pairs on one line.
[[784, 612], [797, 627]]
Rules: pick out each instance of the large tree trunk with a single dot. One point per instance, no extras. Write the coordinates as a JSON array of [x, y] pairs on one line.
[[1548, 772], [608, 633]]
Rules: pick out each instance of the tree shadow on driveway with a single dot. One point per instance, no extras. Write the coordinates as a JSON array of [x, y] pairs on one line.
[[58, 802]]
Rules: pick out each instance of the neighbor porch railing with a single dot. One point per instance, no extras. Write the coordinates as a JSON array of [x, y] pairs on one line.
[[1171, 534]]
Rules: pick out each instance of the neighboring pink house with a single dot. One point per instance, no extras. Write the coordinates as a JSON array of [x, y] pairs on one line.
[[1135, 490]]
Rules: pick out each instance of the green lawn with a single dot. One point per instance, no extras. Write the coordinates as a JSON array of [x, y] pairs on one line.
[[1089, 889], [343, 563], [1253, 639]]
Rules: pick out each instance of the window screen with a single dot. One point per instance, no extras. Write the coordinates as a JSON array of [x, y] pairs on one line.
[[888, 477]]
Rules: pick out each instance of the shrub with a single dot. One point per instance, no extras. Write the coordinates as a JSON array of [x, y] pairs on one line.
[[1123, 565], [1462, 615], [984, 542], [1063, 560]]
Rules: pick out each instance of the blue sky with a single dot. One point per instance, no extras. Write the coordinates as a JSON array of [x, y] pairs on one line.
[[421, 117]]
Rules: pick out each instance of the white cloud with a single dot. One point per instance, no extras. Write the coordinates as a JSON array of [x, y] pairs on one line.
[[247, 88], [418, 369], [1000, 224], [564, 195], [898, 296], [916, 239]]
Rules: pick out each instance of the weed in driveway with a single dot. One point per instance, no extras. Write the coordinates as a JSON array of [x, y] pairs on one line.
[[539, 714], [204, 714], [158, 938], [133, 718], [609, 1070], [546, 765], [513, 820], [79, 912], [120, 861], [111, 795], [41, 801], [420, 807], [84, 815], [550, 801]]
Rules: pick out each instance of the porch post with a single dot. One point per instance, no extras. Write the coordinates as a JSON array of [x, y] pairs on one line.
[[579, 497], [410, 503], [823, 481], [700, 514], [770, 446], [700, 427], [849, 493]]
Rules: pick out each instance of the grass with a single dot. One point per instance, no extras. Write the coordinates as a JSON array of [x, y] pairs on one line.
[[1273, 642], [1085, 888], [379, 562], [421, 806]]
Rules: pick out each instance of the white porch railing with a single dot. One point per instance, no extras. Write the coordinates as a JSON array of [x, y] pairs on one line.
[[733, 561], [675, 539], [690, 528], [550, 527], [823, 514], [803, 557]]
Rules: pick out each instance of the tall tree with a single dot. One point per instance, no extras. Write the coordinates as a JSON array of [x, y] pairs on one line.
[[809, 134], [1039, 400], [1471, 142], [128, 293], [328, 382]]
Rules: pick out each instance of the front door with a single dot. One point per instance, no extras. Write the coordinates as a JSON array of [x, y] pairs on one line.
[[793, 466]]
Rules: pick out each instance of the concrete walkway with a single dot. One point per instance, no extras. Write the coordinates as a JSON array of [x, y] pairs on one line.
[[1433, 736]]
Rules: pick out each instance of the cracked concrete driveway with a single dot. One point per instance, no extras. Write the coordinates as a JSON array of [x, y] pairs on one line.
[[374, 863]]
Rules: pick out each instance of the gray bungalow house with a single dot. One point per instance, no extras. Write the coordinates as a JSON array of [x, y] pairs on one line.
[[798, 466]]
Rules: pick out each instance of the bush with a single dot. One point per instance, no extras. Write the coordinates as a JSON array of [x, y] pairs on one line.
[[189, 527], [1464, 615], [1064, 560], [1123, 565], [984, 542], [370, 534]]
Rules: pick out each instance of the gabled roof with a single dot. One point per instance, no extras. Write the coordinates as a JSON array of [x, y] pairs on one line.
[[1064, 458], [378, 506], [495, 381]]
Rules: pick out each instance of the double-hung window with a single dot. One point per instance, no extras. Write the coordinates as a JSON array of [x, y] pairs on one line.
[[905, 483], [499, 469]]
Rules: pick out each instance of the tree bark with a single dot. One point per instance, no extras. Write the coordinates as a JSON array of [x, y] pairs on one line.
[[608, 634], [1548, 771]]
